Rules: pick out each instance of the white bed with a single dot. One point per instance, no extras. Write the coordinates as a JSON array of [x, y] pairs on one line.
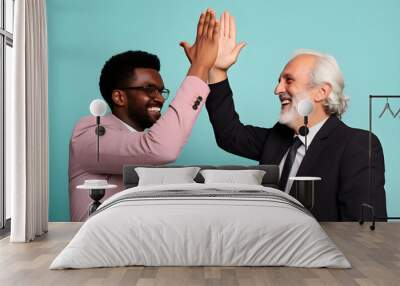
[[203, 225]]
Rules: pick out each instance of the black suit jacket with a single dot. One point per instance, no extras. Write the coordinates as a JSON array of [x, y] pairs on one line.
[[338, 154]]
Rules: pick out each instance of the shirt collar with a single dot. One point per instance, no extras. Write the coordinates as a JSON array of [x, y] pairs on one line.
[[312, 131]]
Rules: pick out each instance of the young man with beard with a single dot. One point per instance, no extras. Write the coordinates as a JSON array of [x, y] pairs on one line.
[[136, 133], [336, 153]]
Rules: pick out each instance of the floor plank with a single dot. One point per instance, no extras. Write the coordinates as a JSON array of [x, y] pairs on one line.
[[374, 255]]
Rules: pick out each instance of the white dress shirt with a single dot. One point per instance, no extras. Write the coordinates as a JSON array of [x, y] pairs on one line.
[[301, 151]]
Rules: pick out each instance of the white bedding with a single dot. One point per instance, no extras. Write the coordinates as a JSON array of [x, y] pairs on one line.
[[182, 231]]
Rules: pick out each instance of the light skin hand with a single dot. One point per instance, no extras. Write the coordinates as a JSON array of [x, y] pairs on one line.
[[203, 53], [228, 51]]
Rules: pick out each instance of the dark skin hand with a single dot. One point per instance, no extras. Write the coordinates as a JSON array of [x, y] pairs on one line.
[[203, 53]]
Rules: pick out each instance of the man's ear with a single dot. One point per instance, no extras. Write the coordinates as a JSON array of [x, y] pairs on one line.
[[119, 98], [323, 92]]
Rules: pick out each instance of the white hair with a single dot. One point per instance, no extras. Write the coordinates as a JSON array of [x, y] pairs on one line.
[[326, 70]]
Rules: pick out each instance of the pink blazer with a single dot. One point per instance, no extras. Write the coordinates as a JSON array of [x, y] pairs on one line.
[[160, 144]]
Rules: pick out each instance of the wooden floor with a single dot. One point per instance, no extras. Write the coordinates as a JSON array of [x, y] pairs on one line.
[[374, 255]]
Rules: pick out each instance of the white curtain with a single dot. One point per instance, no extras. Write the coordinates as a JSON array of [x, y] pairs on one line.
[[27, 124]]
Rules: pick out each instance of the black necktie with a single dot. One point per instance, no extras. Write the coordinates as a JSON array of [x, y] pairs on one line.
[[289, 162]]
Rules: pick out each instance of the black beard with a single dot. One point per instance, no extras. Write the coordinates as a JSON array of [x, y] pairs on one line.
[[146, 124], [143, 120]]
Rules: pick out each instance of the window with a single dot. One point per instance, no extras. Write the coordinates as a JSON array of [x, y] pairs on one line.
[[6, 62]]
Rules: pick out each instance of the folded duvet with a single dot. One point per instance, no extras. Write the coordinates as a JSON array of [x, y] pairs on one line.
[[203, 225]]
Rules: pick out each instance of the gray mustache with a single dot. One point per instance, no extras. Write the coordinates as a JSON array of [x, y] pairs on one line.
[[284, 97]]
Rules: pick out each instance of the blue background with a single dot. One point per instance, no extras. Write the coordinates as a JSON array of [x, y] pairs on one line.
[[362, 35]]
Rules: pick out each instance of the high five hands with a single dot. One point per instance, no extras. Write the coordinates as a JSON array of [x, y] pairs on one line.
[[203, 53], [228, 49]]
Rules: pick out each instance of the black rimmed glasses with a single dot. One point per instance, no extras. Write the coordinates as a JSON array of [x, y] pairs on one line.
[[150, 90]]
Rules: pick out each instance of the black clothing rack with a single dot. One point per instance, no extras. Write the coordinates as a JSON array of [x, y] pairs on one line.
[[369, 206]]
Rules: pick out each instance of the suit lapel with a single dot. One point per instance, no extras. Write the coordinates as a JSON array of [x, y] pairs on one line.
[[277, 144], [317, 146]]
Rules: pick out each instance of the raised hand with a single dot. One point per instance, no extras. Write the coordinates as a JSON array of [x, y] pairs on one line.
[[203, 53], [228, 51]]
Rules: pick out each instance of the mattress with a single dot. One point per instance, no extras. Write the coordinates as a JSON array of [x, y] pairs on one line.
[[201, 225]]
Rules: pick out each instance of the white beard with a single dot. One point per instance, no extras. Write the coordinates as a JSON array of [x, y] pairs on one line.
[[290, 116], [286, 117]]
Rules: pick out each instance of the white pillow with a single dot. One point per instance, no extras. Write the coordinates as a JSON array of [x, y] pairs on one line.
[[164, 176], [249, 177]]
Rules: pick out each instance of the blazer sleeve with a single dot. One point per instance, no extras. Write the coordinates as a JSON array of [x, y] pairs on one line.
[[160, 144], [355, 178], [232, 135]]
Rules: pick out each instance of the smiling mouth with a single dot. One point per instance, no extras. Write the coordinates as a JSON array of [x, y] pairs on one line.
[[285, 101], [154, 110]]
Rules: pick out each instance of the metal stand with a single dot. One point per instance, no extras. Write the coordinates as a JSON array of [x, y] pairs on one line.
[[96, 195], [100, 131], [304, 193], [361, 221], [304, 190]]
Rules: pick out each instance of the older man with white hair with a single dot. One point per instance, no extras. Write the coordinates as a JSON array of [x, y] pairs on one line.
[[337, 153]]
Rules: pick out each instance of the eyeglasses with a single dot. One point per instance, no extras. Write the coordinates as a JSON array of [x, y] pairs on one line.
[[149, 90]]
